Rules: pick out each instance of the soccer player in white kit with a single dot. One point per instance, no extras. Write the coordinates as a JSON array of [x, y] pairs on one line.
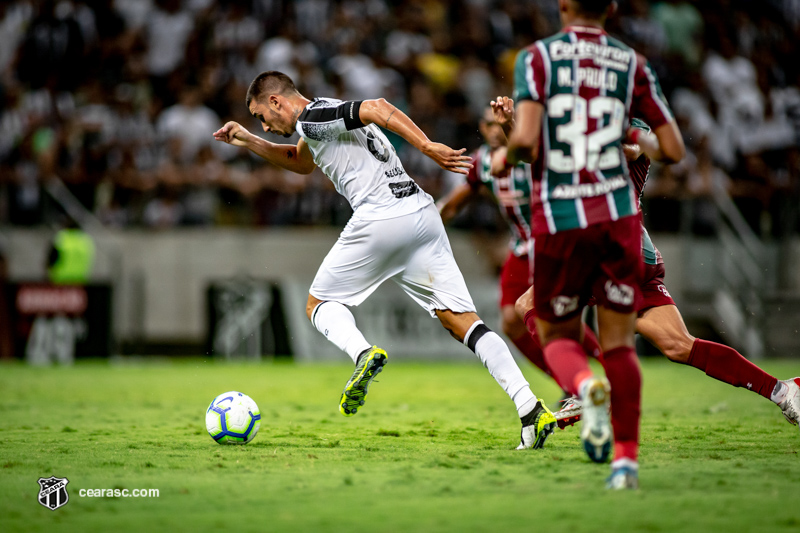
[[395, 232]]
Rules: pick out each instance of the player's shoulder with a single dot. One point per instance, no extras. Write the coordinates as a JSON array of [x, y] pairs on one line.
[[320, 119], [481, 151], [320, 110], [324, 102]]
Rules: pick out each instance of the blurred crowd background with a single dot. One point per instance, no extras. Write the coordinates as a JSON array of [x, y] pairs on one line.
[[119, 98]]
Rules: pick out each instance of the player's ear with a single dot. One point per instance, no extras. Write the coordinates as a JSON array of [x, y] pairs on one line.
[[274, 102]]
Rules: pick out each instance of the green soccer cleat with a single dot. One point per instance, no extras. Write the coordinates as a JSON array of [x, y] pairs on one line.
[[536, 427], [369, 365]]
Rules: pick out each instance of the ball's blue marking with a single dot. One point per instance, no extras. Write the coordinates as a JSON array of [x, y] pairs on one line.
[[243, 435]]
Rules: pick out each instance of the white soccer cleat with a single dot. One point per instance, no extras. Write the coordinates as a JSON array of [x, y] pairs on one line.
[[570, 412], [624, 475], [596, 424], [791, 404]]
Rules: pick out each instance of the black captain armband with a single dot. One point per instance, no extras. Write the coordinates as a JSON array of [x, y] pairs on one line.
[[351, 117]]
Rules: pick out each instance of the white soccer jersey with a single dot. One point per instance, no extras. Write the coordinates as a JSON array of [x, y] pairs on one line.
[[359, 160]]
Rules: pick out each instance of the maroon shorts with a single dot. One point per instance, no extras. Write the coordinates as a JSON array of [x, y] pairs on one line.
[[604, 260], [654, 293], [515, 279]]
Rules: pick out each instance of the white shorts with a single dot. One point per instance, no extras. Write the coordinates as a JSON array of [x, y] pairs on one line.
[[412, 250]]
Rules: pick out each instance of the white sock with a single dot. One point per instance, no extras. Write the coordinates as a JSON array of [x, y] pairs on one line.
[[625, 462], [496, 357], [338, 324], [779, 392]]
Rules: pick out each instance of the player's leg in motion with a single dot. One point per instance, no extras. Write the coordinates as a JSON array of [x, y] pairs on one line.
[[537, 420], [514, 282], [663, 326], [624, 375], [570, 411], [337, 323], [524, 308], [514, 328], [566, 356]]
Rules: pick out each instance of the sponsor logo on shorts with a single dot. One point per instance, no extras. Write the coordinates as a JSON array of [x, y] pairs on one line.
[[403, 189], [664, 291], [563, 305], [619, 294]]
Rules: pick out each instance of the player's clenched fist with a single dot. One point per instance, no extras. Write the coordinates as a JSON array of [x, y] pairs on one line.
[[232, 133]]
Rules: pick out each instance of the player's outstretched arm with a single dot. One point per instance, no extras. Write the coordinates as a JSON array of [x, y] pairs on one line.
[[387, 116], [295, 158], [665, 146]]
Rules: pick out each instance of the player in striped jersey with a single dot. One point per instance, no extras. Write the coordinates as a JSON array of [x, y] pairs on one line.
[[576, 92], [661, 323], [512, 194], [395, 232]]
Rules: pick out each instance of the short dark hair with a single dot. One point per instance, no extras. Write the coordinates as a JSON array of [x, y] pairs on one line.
[[270, 82], [593, 7]]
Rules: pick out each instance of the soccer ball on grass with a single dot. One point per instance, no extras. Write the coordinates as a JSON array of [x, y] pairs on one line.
[[233, 418]]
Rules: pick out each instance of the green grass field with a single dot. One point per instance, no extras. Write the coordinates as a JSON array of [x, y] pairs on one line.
[[433, 450]]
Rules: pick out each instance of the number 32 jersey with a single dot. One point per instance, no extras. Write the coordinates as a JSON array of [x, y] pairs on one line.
[[590, 84], [359, 160]]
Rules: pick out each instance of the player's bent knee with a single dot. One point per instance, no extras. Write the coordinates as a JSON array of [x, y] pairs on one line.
[[311, 304], [457, 324]]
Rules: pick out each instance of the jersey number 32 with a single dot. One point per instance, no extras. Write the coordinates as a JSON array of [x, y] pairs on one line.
[[589, 151]]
